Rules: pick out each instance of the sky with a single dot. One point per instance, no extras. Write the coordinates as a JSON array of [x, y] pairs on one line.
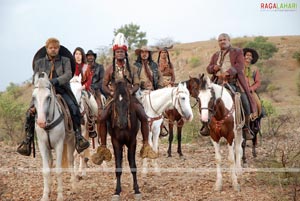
[[27, 24]]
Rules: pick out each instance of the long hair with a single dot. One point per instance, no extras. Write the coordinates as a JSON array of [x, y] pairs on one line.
[[83, 59], [169, 61], [139, 58]]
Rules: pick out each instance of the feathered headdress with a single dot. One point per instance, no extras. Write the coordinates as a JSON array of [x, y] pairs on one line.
[[120, 42]]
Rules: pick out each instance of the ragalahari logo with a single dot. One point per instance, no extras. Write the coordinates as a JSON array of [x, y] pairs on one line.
[[283, 6]]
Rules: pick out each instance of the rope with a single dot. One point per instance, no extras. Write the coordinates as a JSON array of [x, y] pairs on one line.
[[66, 112], [239, 111]]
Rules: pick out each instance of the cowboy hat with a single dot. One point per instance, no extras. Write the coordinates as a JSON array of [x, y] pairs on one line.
[[254, 54], [143, 48], [90, 52], [63, 51]]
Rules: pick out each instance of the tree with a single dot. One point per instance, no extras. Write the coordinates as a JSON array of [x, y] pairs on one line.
[[135, 37]]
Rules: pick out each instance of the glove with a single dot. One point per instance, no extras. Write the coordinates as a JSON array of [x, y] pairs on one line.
[[54, 82]]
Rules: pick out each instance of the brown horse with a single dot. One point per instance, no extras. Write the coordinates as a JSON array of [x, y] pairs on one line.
[[172, 116], [123, 127]]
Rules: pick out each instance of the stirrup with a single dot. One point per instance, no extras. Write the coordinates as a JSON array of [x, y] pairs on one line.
[[24, 148], [92, 134]]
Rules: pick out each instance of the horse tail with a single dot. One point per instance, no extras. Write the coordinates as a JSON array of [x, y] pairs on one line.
[[64, 161]]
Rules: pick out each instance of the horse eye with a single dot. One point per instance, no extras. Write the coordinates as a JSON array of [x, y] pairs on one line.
[[183, 98]]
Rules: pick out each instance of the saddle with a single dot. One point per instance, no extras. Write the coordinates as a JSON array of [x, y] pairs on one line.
[[66, 113]]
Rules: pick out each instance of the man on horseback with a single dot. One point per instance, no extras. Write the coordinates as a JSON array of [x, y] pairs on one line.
[[84, 69], [59, 70], [227, 66], [166, 67], [121, 70]]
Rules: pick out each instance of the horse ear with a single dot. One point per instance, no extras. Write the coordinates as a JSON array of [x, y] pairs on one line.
[[79, 77], [201, 76], [35, 78], [208, 81]]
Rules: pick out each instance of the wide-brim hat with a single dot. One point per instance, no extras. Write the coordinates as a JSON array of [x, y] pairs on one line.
[[253, 52], [143, 48], [63, 51], [90, 52]]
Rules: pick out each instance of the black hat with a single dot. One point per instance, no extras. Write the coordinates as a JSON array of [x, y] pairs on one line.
[[253, 52], [90, 52], [63, 51]]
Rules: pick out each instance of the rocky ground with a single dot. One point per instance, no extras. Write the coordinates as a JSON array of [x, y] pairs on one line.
[[188, 178]]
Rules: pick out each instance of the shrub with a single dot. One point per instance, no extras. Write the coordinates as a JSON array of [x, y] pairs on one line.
[[265, 49], [296, 56], [194, 61]]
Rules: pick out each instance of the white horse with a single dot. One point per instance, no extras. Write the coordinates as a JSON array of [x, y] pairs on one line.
[[83, 98], [158, 101], [215, 98], [50, 130]]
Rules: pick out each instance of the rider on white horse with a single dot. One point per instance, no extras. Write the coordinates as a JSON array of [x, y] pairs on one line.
[[86, 73], [121, 70], [59, 70]]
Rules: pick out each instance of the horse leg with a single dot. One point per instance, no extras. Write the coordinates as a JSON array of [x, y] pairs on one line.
[[218, 184], [238, 139], [231, 159], [118, 152], [132, 164], [70, 159], [156, 132], [46, 170], [244, 143], [59, 151], [179, 130], [171, 136]]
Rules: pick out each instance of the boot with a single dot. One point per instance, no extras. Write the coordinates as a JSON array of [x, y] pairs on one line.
[[102, 154], [147, 152], [246, 130], [81, 142], [25, 147], [204, 130]]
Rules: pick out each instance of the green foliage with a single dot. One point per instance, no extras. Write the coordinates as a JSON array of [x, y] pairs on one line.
[[194, 61], [135, 37], [296, 56], [270, 109], [265, 49], [239, 42], [11, 113]]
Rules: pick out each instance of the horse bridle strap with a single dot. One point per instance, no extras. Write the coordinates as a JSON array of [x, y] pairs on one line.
[[54, 123]]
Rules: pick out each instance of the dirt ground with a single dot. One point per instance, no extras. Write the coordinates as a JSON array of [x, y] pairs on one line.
[[188, 178]]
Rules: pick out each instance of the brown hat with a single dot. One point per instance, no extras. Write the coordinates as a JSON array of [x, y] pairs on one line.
[[143, 48], [254, 54]]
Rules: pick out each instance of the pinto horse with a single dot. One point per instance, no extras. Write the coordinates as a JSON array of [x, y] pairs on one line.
[[216, 107], [50, 130], [123, 126]]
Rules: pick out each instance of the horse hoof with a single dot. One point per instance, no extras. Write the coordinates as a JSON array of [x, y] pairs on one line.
[[218, 188], [237, 188], [138, 196], [115, 198]]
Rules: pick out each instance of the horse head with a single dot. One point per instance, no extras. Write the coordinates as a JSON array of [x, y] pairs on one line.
[[121, 105], [206, 97], [193, 85], [76, 87], [182, 101], [43, 99]]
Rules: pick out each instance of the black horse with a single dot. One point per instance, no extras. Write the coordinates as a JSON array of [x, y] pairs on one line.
[[123, 128]]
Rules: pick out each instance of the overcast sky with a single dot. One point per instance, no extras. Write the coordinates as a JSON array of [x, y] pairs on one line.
[[26, 25]]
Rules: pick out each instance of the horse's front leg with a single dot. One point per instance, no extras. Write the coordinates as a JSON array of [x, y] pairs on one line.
[[231, 159], [254, 144], [218, 184], [59, 152], [45, 153], [132, 164], [179, 130], [118, 152], [171, 136], [244, 143]]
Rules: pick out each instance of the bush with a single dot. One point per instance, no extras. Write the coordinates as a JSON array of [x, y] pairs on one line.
[[194, 61], [265, 49], [298, 84], [296, 56]]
